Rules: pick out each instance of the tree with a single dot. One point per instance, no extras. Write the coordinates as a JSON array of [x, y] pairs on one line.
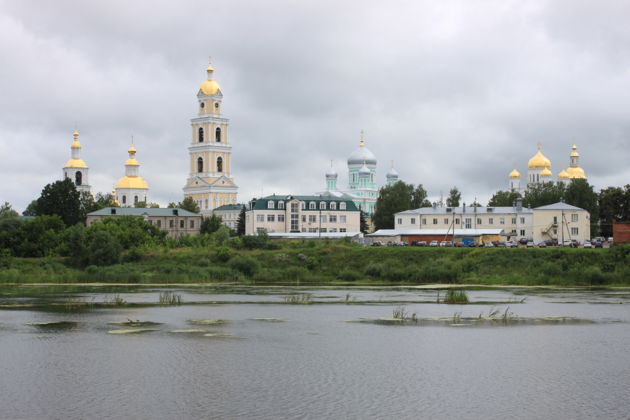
[[392, 199], [453, 197], [504, 199], [63, 199], [363, 224], [240, 222], [6, 212], [614, 205], [103, 249], [419, 198], [31, 209], [9, 218], [580, 193], [543, 194], [211, 224], [187, 204]]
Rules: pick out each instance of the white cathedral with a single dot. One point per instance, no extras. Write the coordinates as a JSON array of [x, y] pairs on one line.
[[539, 171], [362, 188]]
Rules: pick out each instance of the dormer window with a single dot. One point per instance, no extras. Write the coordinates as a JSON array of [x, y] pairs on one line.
[[342, 206], [322, 205], [333, 205], [312, 206], [281, 205], [270, 204]]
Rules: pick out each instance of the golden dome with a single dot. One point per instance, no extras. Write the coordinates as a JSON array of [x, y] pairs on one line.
[[75, 163], [75, 134], [209, 87], [514, 174], [132, 162], [574, 153], [576, 172], [131, 150], [135, 182], [545, 172], [563, 174], [75, 144], [539, 161]]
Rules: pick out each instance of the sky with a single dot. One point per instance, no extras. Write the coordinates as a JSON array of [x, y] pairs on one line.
[[454, 93]]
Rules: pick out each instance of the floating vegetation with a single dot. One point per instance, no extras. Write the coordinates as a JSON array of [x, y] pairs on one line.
[[132, 331], [170, 298], [115, 300], [400, 313], [53, 324], [188, 331], [455, 296], [207, 321], [218, 335], [298, 299], [269, 319], [135, 323]]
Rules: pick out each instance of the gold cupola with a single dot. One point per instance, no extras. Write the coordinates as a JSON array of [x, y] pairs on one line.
[[210, 86], [539, 161], [546, 172], [574, 170], [75, 161], [563, 174], [514, 174]]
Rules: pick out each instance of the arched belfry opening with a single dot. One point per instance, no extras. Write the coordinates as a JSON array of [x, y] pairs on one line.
[[200, 135], [199, 164], [78, 178], [218, 134], [219, 164]]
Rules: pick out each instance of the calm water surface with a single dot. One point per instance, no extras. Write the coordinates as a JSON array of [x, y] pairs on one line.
[[315, 365]]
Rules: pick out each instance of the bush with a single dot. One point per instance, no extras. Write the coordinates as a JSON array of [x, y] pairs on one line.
[[134, 254], [294, 273], [103, 249], [246, 265], [439, 271], [223, 254], [348, 274], [593, 275]]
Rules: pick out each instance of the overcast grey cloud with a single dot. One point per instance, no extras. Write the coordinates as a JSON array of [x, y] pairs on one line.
[[454, 92]]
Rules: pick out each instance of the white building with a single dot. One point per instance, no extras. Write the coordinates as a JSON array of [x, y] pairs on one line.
[[562, 222], [229, 214], [516, 221], [75, 168], [306, 214]]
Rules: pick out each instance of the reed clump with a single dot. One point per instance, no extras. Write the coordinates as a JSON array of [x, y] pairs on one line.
[[298, 299], [456, 296], [170, 298]]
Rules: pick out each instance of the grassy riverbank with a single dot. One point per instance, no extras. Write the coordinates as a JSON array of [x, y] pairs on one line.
[[337, 263]]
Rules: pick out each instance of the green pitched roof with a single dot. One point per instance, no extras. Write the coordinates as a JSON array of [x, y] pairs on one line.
[[132, 211], [230, 207], [261, 203]]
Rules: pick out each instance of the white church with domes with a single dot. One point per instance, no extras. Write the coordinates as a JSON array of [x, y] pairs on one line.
[[362, 188], [539, 171]]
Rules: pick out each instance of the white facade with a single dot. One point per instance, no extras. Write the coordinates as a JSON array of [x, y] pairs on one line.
[[562, 222], [229, 214], [131, 188], [75, 168]]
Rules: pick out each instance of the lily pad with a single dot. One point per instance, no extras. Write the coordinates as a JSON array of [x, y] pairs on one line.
[[53, 324]]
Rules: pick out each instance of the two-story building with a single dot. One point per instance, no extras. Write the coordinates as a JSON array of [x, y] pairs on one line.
[[176, 222], [514, 221], [561, 221], [229, 214], [301, 213]]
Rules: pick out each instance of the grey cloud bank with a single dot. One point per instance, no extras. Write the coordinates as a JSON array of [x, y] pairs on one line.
[[455, 93]]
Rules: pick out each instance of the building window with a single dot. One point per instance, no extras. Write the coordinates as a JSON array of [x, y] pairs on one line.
[[468, 224], [260, 217], [281, 218], [574, 217], [333, 205], [323, 219], [219, 164], [478, 220], [281, 205], [342, 229], [181, 224], [192, 224], [522, 232], [323, 230], [574, 231], [302, 205], [200, 135], [332, 230], [399, 221], [159, 223], [271, 218], [342, 206], [217, 134], [312, 206], [435, 221], [303, 218], [424, 221], [312, 218], [199, 164], [490, 221], [502, 220], [78, 178], [342, 219], [446, 220], [295, 222], [206, 203], [312, 230], [260, 230], [413, 220], [124, 199], [322, 205], [270, 204], [513, 220], [135, 199], [522, 220], [457, 221], [333, 218], [171, 223]]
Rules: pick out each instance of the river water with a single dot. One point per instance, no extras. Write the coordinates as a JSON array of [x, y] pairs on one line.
[[314, 364]]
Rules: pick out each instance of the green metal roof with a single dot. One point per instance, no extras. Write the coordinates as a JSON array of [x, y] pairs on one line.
[[132, 211], [230, 207], [261, 203]]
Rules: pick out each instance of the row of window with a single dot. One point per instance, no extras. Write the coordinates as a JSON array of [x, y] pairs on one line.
[[468, 221], [171, 223], [217, 135], [219, 164], [135, 199], [312, 230], [312, 205], [312, 218]]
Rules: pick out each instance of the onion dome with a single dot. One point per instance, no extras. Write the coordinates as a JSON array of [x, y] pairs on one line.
[[75, 161], [392, 173], [539, 161], [364, 170], [576, 172], [563, 174], [362, 155], [545, 172], [132, 157], [75, 143], [210, 86], [514, 174], [331, 173], [135, 182], [574, 153]]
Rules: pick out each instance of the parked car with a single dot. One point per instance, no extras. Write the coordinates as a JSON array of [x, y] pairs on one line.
[[458, 244], [377, 243], [523, 241], [421, 243], [530, 244], [610, 241], [433, 243], [511, 244], [488, 245], [587, 244], [598, 244], [542, 244], [443, 243]]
